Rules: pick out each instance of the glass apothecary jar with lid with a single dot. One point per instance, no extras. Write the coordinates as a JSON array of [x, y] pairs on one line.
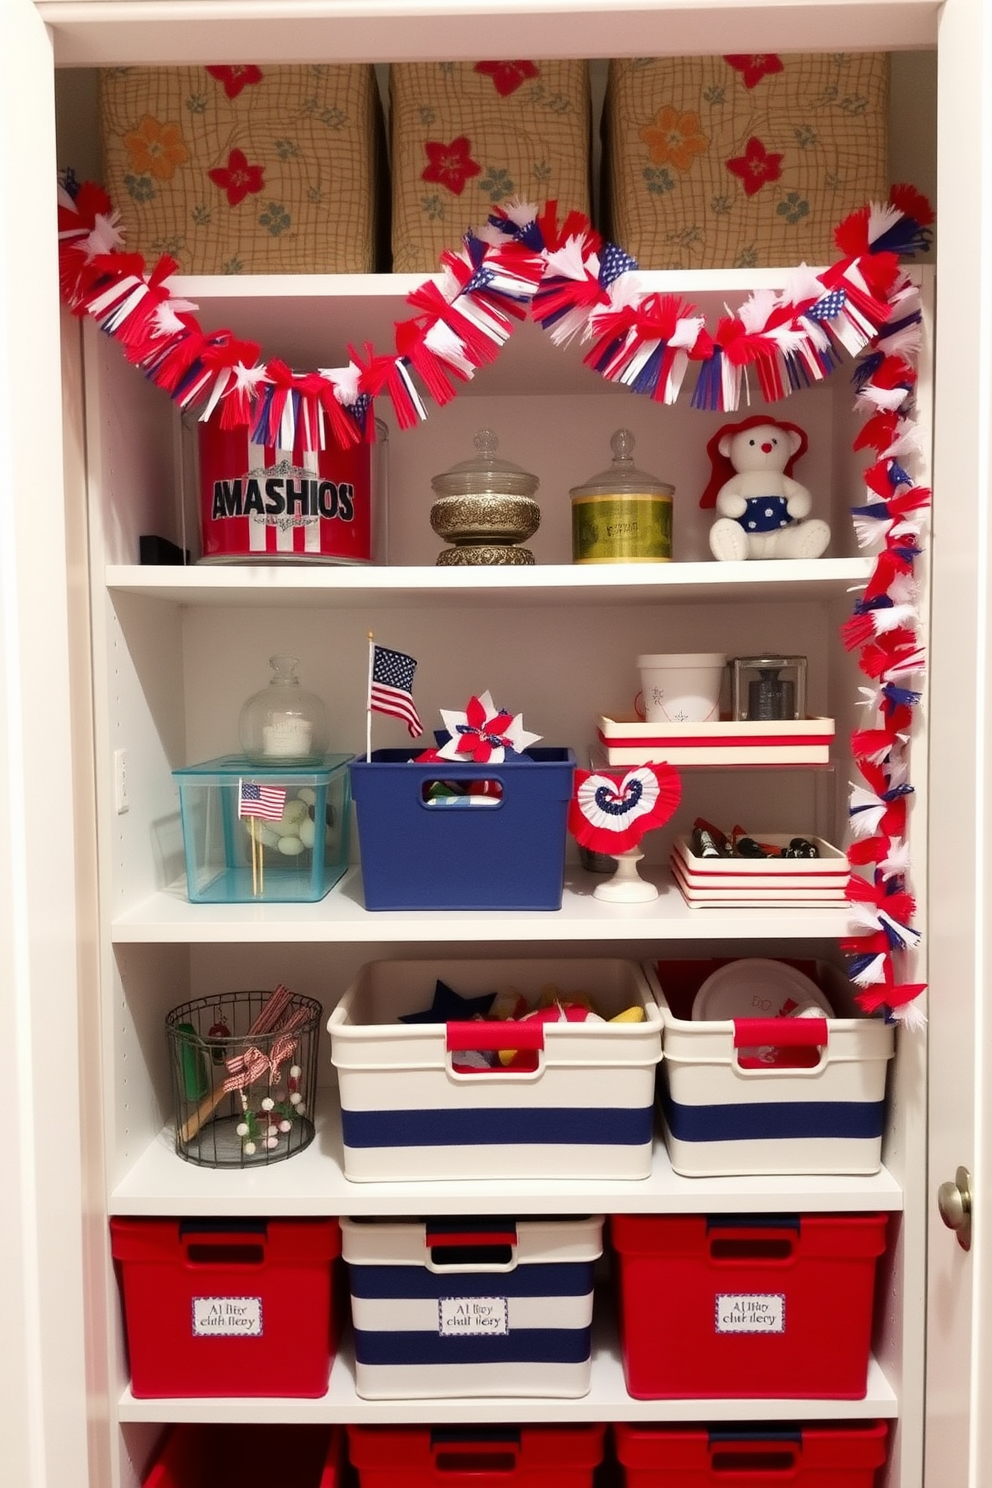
[[623, 514], [283, 723]]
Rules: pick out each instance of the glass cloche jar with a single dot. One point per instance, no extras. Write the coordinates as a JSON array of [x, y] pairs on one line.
[[283, 724]]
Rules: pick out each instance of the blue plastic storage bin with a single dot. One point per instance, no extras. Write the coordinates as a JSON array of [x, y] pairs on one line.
[[423, 854], [217, 842]]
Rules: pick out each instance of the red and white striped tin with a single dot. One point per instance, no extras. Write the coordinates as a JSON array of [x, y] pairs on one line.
[[260, 504]]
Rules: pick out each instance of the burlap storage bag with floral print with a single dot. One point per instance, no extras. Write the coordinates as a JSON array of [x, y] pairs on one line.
[[739, 161], [466, 135], [255, 170]]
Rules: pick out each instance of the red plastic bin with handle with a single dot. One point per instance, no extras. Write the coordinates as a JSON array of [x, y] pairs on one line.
[[247, 1456], [766, 1306], [752, 1455], [542, 1456], [227, 1307]]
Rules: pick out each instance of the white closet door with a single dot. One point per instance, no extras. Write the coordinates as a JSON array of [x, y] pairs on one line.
[[959, 1351]]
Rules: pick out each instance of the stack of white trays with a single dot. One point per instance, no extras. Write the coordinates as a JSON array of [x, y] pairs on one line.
[[720, 883]]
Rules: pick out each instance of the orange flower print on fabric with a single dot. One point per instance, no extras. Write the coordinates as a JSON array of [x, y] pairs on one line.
[[507, 76], [450, 165], [674, 138], [235, 78], [238, 178], [754, 67], [756, 167], [156, 149]]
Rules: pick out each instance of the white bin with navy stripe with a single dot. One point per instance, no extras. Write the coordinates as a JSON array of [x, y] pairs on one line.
[[586, 1109], [480, 1306], [722, 1117]]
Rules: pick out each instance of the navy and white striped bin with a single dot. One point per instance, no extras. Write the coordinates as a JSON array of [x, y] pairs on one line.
[[410, 1109], [487, 1306], [819, 1110]]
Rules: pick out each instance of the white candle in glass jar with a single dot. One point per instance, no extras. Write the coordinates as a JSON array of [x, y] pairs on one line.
[[287, 736]]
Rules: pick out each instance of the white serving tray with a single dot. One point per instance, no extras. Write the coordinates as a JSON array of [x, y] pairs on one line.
[[630, 741], [830, 870]]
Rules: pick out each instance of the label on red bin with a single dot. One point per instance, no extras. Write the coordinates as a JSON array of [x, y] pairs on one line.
[[459, 1316], [750, 1312], [227, 1317]]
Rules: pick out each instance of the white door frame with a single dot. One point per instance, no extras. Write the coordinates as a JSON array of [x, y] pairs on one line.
[[959, 1311]]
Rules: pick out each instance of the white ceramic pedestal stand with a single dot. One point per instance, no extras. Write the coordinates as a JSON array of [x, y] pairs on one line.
[[626, 885]]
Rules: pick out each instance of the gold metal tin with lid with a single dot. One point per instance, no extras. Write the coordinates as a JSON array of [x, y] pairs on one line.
[[622, 515]]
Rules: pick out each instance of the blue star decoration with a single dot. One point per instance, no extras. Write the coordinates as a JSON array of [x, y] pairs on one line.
[[448, 1007]]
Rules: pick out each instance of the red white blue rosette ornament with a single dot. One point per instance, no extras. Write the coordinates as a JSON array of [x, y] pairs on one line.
[[484, 734], [611, 810]]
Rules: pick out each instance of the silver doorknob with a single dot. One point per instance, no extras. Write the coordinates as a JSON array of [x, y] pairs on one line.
[[954, 1205]]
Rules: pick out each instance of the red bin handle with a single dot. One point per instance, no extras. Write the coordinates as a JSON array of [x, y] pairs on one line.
[[780, 1033], [500, 1035]]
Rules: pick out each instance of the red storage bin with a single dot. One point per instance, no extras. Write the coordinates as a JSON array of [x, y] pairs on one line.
[[227, 1307], [476, 1456], [247, 1457], [757, 1306], [827, 1455]]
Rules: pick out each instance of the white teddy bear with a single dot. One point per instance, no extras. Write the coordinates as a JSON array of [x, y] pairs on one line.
[[764, 513]]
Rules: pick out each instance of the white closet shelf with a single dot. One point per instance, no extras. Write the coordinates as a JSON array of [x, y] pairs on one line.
[[607, 1401], [331, 587], [169, 918], [313, 1183], [89, 33]]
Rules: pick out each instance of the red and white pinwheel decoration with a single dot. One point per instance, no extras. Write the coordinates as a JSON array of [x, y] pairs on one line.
[[484, 733], [611, 810]]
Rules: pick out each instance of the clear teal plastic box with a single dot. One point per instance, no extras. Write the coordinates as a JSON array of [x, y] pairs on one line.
[[293, 853]]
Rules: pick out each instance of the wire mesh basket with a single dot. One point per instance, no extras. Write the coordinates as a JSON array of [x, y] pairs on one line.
[[244, 1069]]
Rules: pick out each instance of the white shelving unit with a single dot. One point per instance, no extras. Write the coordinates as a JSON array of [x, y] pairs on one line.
[[176, 650]]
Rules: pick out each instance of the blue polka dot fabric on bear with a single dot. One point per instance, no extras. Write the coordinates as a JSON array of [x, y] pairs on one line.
[[765, 514]]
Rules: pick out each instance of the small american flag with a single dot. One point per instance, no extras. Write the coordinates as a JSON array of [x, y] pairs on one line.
[[391, 687], [266, 801]]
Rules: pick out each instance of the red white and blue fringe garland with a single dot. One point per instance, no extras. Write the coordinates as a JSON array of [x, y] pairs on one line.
[[885, 630], [577, 286]]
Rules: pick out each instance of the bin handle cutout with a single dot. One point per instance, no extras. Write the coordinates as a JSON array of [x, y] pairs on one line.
[[470, 1247], [520, 1045], [490, 1246], [738, 1238], [767, 1047], [746, 1460], [236, 1242], [475, 1449], [446, 793], [478, 1460], [775, 1249], [224, 1254]]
